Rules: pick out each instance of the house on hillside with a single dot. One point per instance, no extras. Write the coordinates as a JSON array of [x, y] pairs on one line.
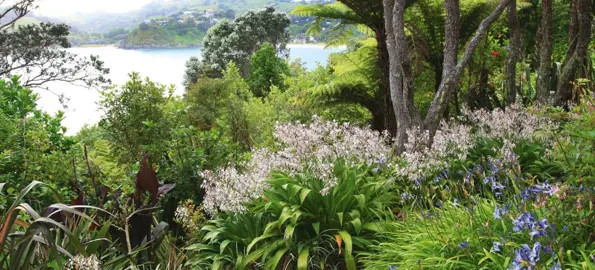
[[209, 13]]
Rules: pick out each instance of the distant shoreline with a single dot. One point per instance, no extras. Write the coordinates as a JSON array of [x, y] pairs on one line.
[[296, 45]]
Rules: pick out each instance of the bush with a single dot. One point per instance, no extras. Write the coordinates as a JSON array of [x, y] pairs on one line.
[[302, 223]]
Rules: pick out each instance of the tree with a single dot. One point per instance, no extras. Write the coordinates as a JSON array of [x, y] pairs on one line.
[[401, 75], [354, 80], [134, 119], [515, 51], [400, 86], [577, 61], [143, 26], [33, 143], [206, 99], [544, 72], [266, 70], [424, 22], [237, 40], [35, 52], [230, 14], [363, 15]]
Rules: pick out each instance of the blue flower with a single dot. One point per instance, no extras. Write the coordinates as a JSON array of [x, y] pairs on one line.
[[467, 177], [497, 186], [535, 252], [565, 229], [556, 266], [526, 255], [515, 266], [538, 228], [392, 267], [496, 247], [438, 204], [545, 188], [464, 244], [498, 212], [455, 203], [489, 179]]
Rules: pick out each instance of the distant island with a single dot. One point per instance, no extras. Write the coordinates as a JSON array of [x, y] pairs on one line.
[[183, 29], [177, 24]]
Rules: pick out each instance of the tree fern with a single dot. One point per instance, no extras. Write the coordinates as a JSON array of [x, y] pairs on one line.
[[355, 78], [348, 21], [103, 157]]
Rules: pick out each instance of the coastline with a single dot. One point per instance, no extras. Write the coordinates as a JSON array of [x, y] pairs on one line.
[[289, 45]]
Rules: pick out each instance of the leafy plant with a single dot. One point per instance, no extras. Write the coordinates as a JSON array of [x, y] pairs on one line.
[[299, 223]]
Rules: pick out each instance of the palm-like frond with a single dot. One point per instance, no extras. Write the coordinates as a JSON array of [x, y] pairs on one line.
[[348, 22], [337, 11], [355, 78]]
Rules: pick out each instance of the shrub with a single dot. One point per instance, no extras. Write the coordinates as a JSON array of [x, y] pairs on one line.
[[300, 225], [313, 148]]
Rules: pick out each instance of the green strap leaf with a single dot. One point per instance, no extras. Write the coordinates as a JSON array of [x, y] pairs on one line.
[[303, 194], [347, 241], [340, 215], [303, 259], [349, 260], [357, 225], [288, 237], [274, 262], [223, 246], [316, 227]]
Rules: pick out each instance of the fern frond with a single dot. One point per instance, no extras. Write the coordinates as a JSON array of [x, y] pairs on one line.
[[335, 11], [343, 93]]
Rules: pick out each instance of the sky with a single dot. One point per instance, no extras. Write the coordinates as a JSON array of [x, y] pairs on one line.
[[56, 8]]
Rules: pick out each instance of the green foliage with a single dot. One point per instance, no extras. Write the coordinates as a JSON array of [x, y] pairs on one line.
[[355, 81], [33, 142], [206, 99], [299, 217], [266, 70], [576, 143], [30, 51], [175, 34], [350, 24], [18, 247], [134, 119], [237, 40]]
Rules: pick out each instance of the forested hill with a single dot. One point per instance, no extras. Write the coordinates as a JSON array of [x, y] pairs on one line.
[[188, 27], [172, 28]]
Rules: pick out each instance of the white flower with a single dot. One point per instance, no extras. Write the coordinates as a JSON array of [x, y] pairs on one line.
[[80, 262], [301, 147]]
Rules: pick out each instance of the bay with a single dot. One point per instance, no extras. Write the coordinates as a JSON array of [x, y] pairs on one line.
[[165, 66]]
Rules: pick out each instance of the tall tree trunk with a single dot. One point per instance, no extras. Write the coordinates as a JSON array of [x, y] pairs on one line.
[[514, 54], [401, 73], [389, 122], [544, 73], [578, 60], [450, 80], [572, 30]]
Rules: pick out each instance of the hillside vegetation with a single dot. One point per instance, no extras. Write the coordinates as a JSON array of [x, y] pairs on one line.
[[159, 36]]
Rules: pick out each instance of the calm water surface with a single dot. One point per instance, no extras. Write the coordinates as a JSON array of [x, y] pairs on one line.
[[165, 66]]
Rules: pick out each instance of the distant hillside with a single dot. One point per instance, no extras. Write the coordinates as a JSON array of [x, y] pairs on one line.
[[101, 22], [27, 20], [168, 23], [162, 36]]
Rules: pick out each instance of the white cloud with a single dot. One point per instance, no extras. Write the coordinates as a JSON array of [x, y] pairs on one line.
[[67, 7]]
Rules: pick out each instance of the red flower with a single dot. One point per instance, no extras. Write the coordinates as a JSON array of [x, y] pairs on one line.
[[495, 53]]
